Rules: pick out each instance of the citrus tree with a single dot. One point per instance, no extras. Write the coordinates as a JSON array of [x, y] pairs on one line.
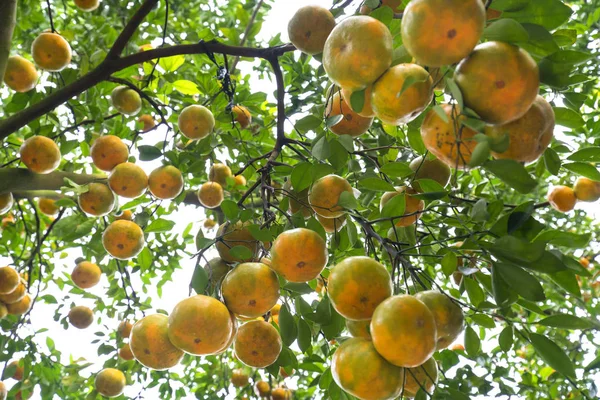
[[393, 205]]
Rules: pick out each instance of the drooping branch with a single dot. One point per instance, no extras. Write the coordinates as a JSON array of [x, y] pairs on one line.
[[8, 19]]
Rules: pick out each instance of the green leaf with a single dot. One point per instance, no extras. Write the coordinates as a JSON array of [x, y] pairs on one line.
[[505, 339], [186, 87], [472, 342], [449, 263], [376, 184], [171, 64], [521, 281], [145, 259], [455, 92], [348, 201], [517, 250], [552, 161], [512, 173], [301, 176], [149, 153], [503, 295], [568, 118], [416, 141], [571, 57], [320, 148], [199, 279], [547, 13], [483, 320], [160, 225], [594, 364], [357, 100], [241, 252], [333, 120], [394, 207], [230, 209], [567, 321], [287, 326], [396, 169], [506, 30], [304, 335], [583, 169], [474, 291], [553, 355], [298, 287], [308, 123], [588, 154], [564, 238]]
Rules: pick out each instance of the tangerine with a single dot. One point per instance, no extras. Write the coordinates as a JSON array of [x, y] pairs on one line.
[[147, 121], [449, 318], [310, 27], [562, 198], [367, 109], [126, 100], [211, 195], [359, 370], [422, 377], [124, 329], [357, 52], [98, 201], [126, 215], [324, 195], [123, 239], [250, 289], [15, 296], [299, 255], [219, 173], [499, 81], [86, 275], [239, 378], [165, 182], [150, 344], [262, 389], [40, 154], [351, 122], [232, 235], [586, 189], [529, 135], [6, 202], [442, 32], [298, 201], [125, 352], [20, 74], [51, 52], [357, 285], [242, 116], [359, 328], [443, 141], [20, 307], [9, 280], [47, 206], [413, 206], [110, 382], [331, 225], [18, 368], [404, 331], [81, 317], [435, 170], [108, 151], [257, 344], [87, 5], [200, 325], [128, 180], [196, 122], [401, 94], [216, 269]]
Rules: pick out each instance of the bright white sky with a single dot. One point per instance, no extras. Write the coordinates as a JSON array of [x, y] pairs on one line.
[[77, 343]]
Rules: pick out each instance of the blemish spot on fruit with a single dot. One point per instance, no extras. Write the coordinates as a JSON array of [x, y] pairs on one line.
[[451, 34], [301, 264], [146, 351], [500, 84], [197, 340], [363, 299], [252, 303], [120, 246]]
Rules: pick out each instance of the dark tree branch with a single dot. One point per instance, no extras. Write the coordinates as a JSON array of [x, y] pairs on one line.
[[8, 19], [130, 29], [109, 67], [21, 179]]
